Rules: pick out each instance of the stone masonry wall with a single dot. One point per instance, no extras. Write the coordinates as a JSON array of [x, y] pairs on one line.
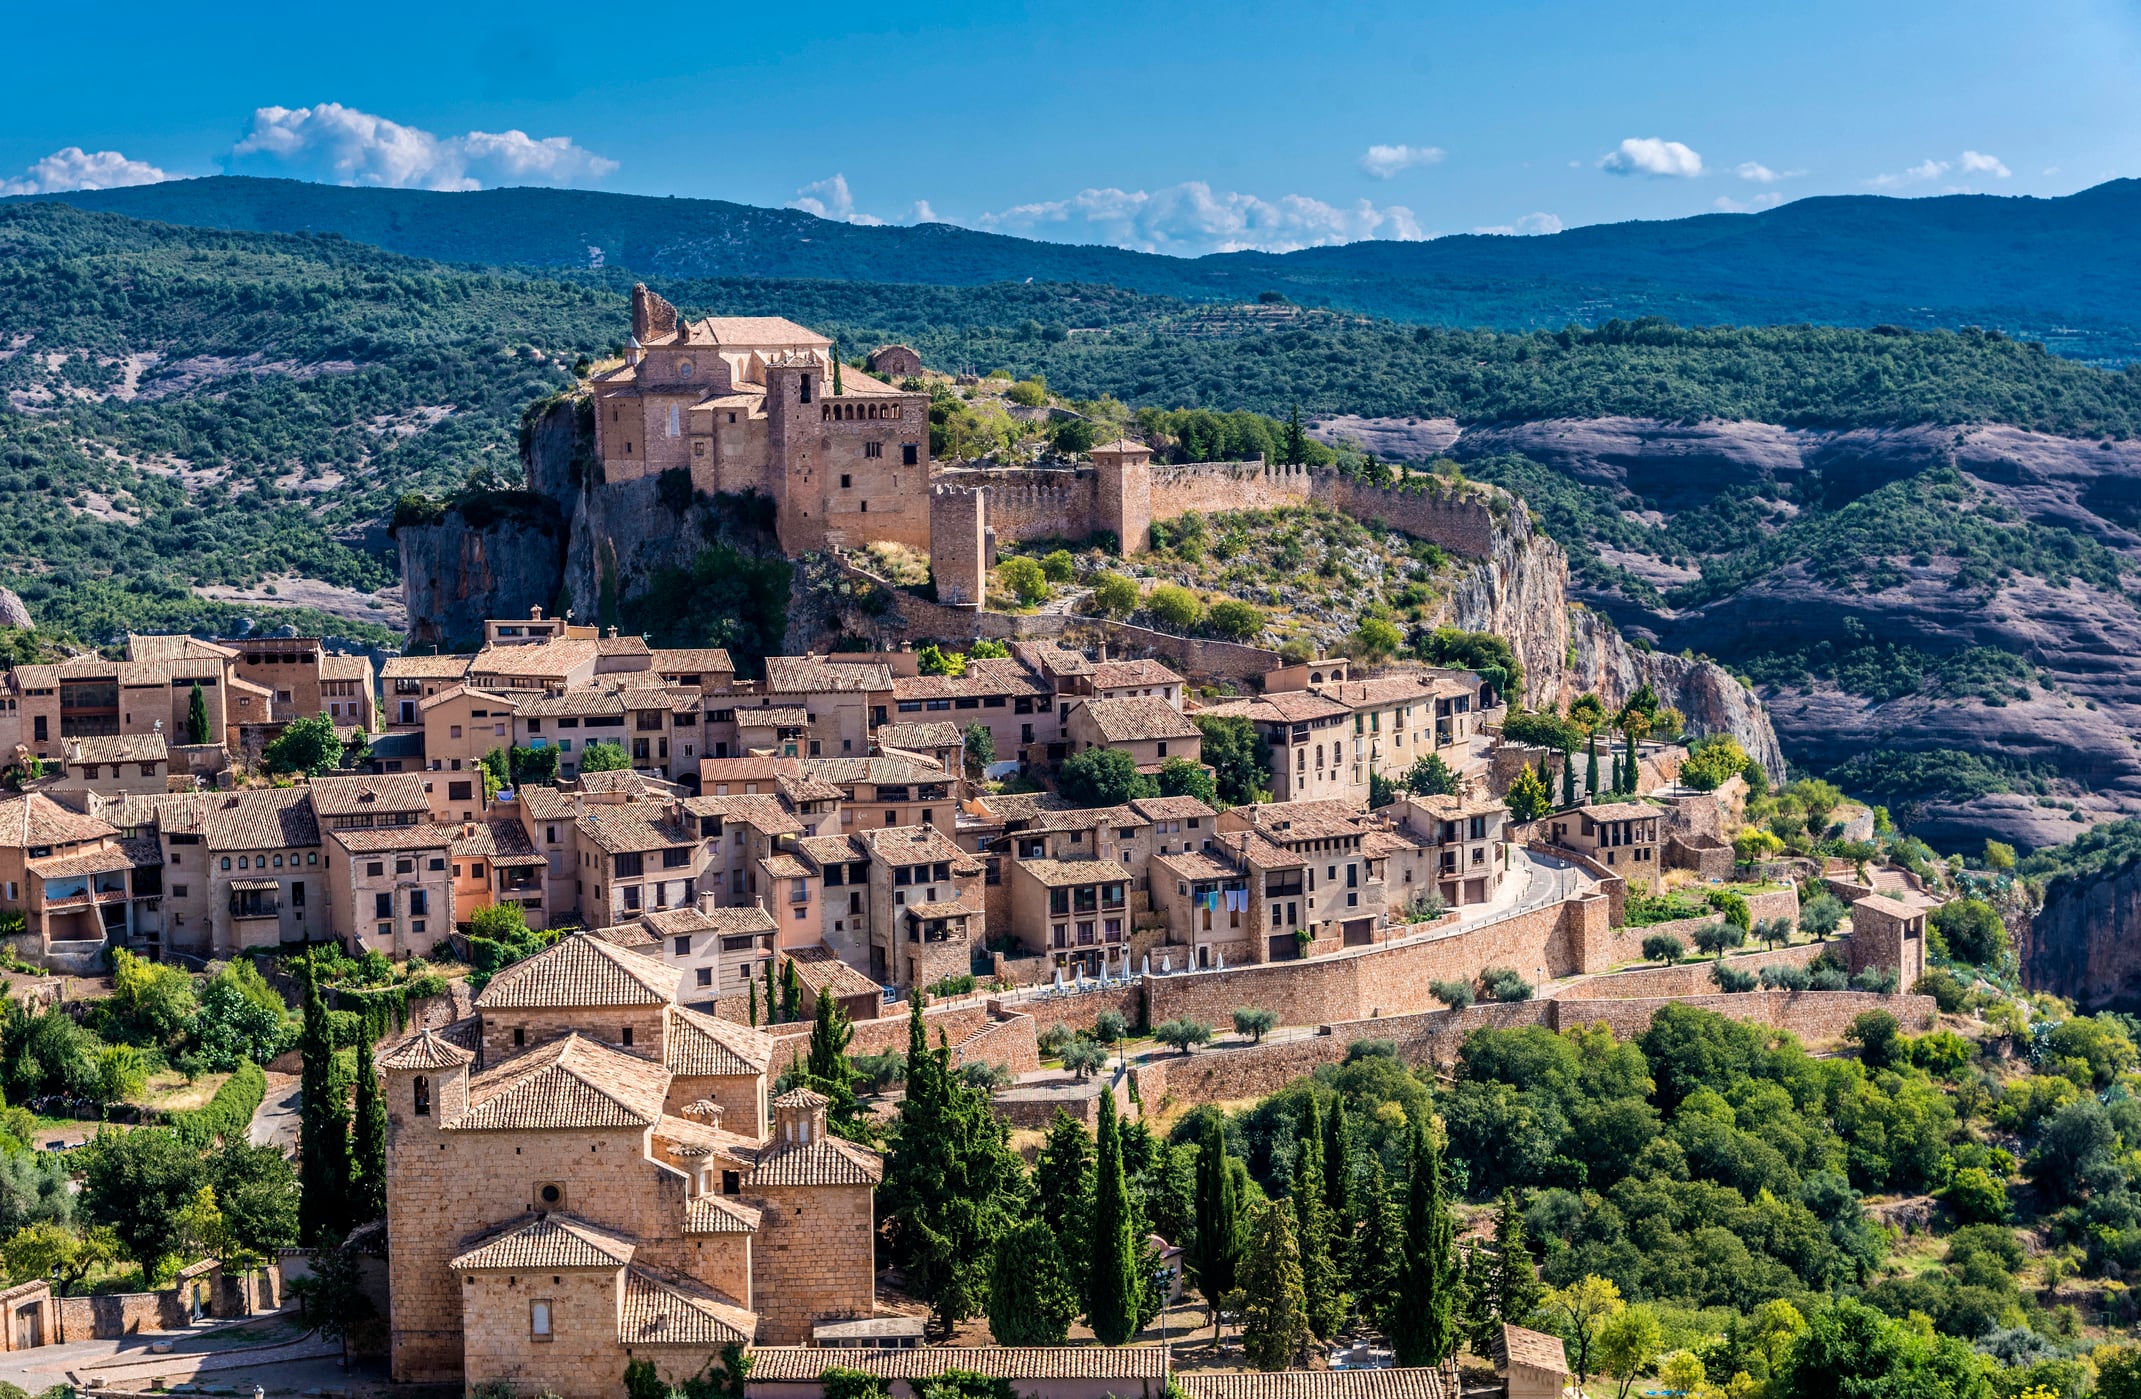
[[1628, 941], [1464, 525], [1210, 487], [582, 1358], [1008, 1042], [1691, 978], [815, 1259]]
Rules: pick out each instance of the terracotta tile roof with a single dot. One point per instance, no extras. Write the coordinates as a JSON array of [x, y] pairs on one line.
[[566, 1084], [711, 1214], [802, 1098], [620, 828], [755, 332], [1054, 872], [1170, 808], [580, 972], [991, 675], [621, 646], [425, 1051], [832, 850], [768, 815], [572, 704], [949, 908], [821, 969], [675, 922], [1250, 848], [1516, 1345], [259, 818], [911, 845], [545, 803], [1114, 675], [1448, 808], [545, 658], [695, 1137], [917, 737], [876, 770], [378, 839], [826, 1161], [1195, 865], [781, 865], [1309, 820], [1052, 657], [706, 1046], [1620, 811], [501, 841], [747, 769], [341, 667], [1023, 806], [1084, 818], [625, 780], [804, 1364], [813, 675], [38, 820], [549, 1241], [447, 667], [1285, 707], [1130, 720], [175, 648], [368, 794], [118, 748], [102, 861], [685, 660], [1419, 1383], [663, 1311]]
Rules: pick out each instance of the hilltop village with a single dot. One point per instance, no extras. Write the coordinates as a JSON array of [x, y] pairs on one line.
[[994, 834]]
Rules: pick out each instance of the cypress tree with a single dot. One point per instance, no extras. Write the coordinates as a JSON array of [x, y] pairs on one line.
[[1112, 1282], [1631, 766], [323, 1125], [197, 715], [1338, 1186], [1425, 1331], [827, 1066], [1296, 447], [1215, 1248], [1031, 1300], [773, 1001], [1380, 1250], [1312, 1221], [791, 992], [1063, 1192], [1616, 773], [1568, 776], [951, 1183], [1590, 770], [1274, 1318], [1477, 1298], [752, 986], [837, 389], [369, 1198], [1517, 1289]]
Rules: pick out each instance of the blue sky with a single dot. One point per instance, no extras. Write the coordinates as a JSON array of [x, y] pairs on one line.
[[1182, 128]]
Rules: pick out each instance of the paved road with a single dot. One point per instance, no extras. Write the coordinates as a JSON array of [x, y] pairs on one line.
[[275, 1120]]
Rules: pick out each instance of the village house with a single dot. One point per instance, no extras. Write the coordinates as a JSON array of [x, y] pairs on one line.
[[636, 856], [942, 744], [410, 680], [715, 951], [73, 877], [1455, 847], [1151, 731], [588, 1172], [1623, 836], [350, 687], [117, 764], [494, 862], [1342, 893], [887, 790], [1307, 733], [841, 700], [925, 906], [1001, 694]]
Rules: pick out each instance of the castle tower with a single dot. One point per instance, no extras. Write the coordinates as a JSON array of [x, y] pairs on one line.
[[426, 1087], [1124, 488], [796, 386], [959, 545]]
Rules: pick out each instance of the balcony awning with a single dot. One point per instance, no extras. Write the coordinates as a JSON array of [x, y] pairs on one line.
[[255, 886]]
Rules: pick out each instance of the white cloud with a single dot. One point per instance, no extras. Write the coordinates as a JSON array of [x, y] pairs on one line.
[[1382, 162], [1917, 174], [1648, 155], [1190, 218], [1758, 173], [1728, 205], [75, 168], [1969, 163], [829, 199], [1974, 163], [1529, 224], [341, 145], [922, 213]]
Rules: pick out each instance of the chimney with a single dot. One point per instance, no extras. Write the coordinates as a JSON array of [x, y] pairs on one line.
[[706, 901]]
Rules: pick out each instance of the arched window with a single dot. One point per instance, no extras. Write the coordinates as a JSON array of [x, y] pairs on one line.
[[423, 1096]]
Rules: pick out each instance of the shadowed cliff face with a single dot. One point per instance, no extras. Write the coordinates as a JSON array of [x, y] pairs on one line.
[[2085, 943], [1795, 579]]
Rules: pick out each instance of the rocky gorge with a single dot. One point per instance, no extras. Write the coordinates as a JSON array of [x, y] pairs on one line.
[[1814, 577]]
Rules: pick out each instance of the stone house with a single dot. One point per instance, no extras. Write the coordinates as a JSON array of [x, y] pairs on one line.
[[1454, 846], [350, 688], [583, 1174], [636, 856], [1623, 836], [1002, 694], [888, 790], [715, 951], [941, 743], [1150, 730], [1399, 719], [408, 681], [494, 862], [235, 869], [569, 722], [1532, 1364], [462, 724], [925, 905], [1888, 930], [114, 765], [1341, 885], [1211, 900], [706, 669], [842, 700], [550, 667], [73, 877], [1076, 912], [895, 361], [394, 893], [1307, 733]]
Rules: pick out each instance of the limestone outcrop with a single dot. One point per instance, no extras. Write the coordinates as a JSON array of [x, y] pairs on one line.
[[2085, 943], [12, 611]]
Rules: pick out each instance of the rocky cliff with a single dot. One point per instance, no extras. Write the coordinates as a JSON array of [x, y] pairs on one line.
[[1656, 503], [1520, 590], [2085, 943], [456, 572]]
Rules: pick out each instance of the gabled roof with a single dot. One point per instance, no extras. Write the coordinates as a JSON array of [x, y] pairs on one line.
[[826, 1161], [425, 1051], [1115, 675], [702, 1045], [711, 1214], [369, 793], [446, 667], [580, 972], [1620, 811], [805, 1364], [1142, 717], [1518, 1346], [812, 675], [667, 1311], [674, 660], [1422, 1382], [549, 1241], [38, 820], [918, 737], [568, 1083], [256, 819], [624, 827], [118, 748]]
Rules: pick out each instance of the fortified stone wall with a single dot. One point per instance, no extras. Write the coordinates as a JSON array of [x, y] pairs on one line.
[[1008, 1042], [1627, 943], [1213, 486], [1687, 978], [1462, 524]]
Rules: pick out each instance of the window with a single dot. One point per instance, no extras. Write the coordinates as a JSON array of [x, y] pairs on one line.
[[706, 976], [910, 454], [418, 898], [520, 1034], [374, 869], [873, 450], [803, 389], [683, 947], [539, 1319], [460, 791], [226, 862], [382, 905], [845, 481], [627, 1035], [422, 1086]]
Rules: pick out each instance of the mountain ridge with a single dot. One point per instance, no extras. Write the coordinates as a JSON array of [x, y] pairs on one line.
[[2050, 269]]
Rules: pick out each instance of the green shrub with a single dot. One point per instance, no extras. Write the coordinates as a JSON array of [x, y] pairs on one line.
[[1175, 607]]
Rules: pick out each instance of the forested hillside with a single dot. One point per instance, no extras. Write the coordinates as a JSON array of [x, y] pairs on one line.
[[2047, 268]]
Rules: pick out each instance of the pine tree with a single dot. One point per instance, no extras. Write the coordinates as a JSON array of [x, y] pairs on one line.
[[1112, 1283], [197, 716], [1326, 1300], [1031, 1300], [1516, 1283], [791, 992], [1590, 770], [1063, 1192], [1274, 1316], [1379, 1252], [1568, 776], [1215, 1248], [369, 1170], [1338, 1187], [1296, 445], [1478, 1291], [952, 1183], [323, 1125], [830, 1035], [1425, 1330]]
